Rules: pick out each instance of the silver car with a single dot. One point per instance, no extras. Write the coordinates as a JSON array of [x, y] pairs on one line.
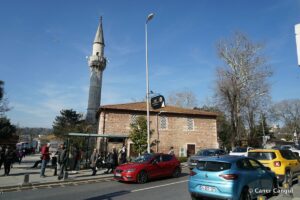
[[193, 160]]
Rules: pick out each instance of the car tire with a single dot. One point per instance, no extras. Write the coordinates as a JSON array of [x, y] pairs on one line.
[[142, 177], [193, 197], [176, 173], [288, 178], [245, 194]]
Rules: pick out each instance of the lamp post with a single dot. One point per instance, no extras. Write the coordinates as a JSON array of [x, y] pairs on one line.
[[297, 32], [150, 16]]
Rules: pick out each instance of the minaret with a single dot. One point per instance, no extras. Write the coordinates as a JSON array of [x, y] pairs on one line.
[[97, 64]]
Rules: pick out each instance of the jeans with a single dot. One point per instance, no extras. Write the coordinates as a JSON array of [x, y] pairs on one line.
[[43, 167]]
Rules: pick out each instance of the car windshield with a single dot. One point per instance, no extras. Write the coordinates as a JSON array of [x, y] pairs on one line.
[[143, 158], [262, 155], [240, 149], [206, 153], [213, 166]]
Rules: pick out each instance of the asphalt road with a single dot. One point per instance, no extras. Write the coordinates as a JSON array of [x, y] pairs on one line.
[[171, 188], [164, 189]]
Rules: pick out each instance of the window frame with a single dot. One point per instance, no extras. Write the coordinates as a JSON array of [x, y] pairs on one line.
[[188, 123], [166, 123]]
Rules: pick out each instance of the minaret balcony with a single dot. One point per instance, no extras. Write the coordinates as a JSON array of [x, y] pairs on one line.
[[97, 61]]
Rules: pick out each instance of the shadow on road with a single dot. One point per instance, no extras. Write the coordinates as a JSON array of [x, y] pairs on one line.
[[110, 195]]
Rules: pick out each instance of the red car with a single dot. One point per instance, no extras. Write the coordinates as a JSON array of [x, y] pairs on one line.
[[148, 166]]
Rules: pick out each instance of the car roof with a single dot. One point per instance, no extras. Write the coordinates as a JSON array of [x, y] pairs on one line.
[[264, 150], [225, 158], [212, 149]]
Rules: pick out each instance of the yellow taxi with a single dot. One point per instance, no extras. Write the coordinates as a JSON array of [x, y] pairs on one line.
[[283, 163]]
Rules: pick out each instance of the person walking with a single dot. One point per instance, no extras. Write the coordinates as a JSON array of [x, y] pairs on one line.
[[54, 163], [93, 161], [62, 160], [2, 151], [45, 159], [77, 158], [9, 157], [123, 155], [112, 161], [20, 156], [171, 151]]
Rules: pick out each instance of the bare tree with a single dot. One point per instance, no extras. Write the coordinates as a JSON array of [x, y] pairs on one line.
[[241, 85], [288, 113], [3, 101], [185, 99]]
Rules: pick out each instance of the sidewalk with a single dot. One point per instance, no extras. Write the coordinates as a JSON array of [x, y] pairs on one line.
[[17, 173]]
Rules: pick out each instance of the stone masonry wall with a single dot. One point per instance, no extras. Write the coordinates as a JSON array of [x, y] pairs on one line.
[[204, 134]]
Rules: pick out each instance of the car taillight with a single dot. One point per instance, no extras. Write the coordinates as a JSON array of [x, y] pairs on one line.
[[229, 176], [192, 173], [277, 164]]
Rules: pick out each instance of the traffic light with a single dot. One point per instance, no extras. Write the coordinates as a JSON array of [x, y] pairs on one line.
[[158, 102]]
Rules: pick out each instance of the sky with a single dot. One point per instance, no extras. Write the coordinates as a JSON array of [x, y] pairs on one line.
[[44, 45]]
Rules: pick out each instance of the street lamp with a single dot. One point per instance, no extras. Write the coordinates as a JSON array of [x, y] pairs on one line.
[[150, 16], [297, 32]]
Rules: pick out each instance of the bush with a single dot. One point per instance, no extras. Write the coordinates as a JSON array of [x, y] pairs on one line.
[[182, 159]]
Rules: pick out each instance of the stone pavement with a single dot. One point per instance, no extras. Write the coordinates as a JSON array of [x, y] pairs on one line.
[[16, 178]]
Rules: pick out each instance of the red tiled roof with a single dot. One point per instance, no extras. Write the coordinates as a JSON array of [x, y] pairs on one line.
[[141, 106]]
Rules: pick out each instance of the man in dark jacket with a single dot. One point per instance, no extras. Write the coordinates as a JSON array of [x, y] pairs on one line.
[[9, 158], [2, 151], [62, 160], [45, 159]]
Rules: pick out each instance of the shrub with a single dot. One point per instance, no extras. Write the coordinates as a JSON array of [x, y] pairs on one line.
[[182, 159]]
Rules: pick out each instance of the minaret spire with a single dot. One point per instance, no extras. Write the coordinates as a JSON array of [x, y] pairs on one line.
[[99, 38], [97, 64]]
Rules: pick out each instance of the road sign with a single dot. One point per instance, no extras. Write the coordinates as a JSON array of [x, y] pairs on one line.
[[157, 102]]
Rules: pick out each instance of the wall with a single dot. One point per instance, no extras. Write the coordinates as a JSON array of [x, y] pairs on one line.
[[204, 134]]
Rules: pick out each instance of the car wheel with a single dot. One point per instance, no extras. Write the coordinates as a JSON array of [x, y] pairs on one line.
[[193, 197], [288, 179], [142, 177], [245, 194], [176, 172]]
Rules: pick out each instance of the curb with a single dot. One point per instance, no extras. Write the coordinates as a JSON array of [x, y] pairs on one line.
[[66, 182]]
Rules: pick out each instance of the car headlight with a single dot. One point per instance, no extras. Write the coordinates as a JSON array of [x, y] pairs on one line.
[[129, 170]]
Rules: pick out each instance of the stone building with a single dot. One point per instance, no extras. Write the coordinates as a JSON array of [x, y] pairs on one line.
[[187, 130]]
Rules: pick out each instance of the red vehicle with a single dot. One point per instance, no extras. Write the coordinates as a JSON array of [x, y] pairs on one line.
[[148, 166]]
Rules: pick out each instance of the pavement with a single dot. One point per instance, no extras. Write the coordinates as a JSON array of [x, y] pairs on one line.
[[16, 179]]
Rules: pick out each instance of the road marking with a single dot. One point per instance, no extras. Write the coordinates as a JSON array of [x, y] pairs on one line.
[[149, 188]]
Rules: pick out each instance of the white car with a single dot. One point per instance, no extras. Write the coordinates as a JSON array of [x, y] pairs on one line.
[[290, 147], [240, 151]]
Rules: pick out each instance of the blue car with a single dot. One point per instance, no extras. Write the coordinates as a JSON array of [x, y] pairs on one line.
[[231, 177]]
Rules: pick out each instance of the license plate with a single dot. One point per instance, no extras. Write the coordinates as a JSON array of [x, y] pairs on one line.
[[194, 163], [207, 188], [118, 175]]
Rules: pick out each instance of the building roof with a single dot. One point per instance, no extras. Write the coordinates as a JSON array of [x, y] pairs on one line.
[[141, 107]]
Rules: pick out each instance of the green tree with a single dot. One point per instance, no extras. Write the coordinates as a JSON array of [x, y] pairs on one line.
[[6, 128], [138, 134], [70, 121]]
